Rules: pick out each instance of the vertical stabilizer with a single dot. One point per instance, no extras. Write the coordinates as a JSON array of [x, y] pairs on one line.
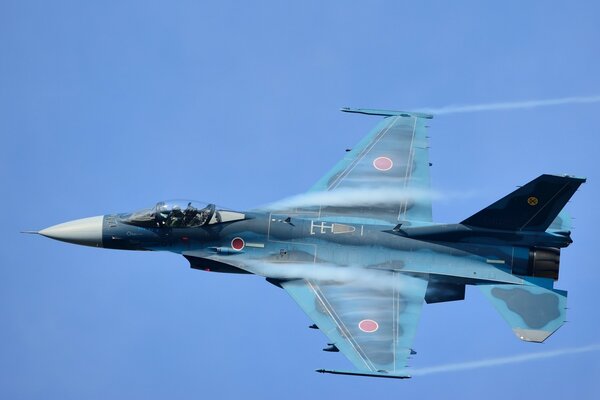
[[533, 207]]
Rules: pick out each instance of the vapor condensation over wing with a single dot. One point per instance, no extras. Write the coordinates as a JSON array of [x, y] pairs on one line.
[[377, 279], [511, 105], [353, 197], [492, 362]]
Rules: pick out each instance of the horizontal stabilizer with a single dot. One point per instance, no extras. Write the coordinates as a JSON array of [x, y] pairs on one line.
[[562, 223], [532, 207], [533, 312]]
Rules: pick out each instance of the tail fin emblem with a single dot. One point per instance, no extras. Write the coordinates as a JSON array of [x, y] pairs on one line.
[[532, 201]]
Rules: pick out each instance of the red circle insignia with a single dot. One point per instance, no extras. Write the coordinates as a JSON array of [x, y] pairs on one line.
[[368, 325], [383, 163], [238, 243]]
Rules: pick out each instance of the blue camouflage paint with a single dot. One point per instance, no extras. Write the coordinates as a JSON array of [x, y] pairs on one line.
[[362, 259]]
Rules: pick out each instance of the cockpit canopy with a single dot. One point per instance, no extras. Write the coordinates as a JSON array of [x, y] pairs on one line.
[[180, 214]]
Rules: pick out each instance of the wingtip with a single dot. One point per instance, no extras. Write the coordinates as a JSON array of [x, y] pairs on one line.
[[386, 113], [378, 374]]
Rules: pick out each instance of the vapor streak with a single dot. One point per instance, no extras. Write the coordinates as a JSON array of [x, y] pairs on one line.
[[353, 197], [504, 360], [367, 278], [365, 196], [512, 105]]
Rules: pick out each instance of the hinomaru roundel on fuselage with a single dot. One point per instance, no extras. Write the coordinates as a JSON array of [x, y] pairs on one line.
[[181, 214]]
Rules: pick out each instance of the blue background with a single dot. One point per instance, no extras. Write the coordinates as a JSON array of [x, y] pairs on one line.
[[112, 106]]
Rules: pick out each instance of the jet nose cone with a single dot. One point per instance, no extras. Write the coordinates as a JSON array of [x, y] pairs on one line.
[[85, 231]]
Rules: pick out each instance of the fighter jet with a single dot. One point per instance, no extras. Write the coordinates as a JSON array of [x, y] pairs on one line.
[[359, 252]]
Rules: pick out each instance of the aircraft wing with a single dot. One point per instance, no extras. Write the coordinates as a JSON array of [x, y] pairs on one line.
[[386, 176], [373, 326]]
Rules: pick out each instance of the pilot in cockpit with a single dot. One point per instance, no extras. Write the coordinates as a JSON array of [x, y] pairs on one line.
[[172, 215], [203, 216], [176, 219], [162, 212], [189, 214]]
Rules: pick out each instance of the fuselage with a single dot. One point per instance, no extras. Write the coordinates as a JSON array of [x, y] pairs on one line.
[[455, 252]]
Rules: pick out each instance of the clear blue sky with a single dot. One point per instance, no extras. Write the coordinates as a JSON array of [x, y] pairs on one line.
[[112, 106]]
